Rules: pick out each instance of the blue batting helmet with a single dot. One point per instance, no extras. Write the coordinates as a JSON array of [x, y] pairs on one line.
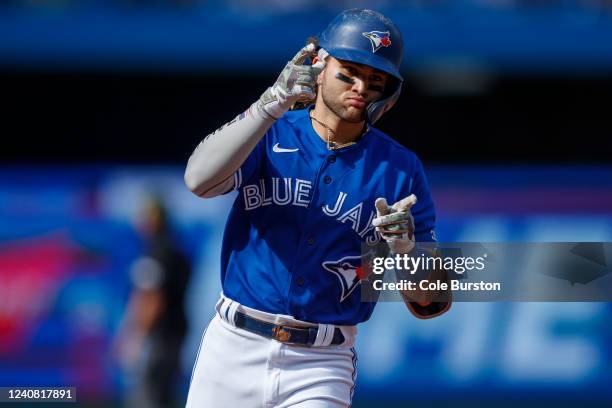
[[368, 37]]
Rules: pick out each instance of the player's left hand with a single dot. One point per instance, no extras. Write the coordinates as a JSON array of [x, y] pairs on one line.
[[395, 223]]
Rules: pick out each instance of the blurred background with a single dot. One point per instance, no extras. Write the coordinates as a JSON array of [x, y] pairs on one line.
[[507, 103]]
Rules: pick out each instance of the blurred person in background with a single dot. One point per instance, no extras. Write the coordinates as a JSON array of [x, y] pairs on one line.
[[151, 335]]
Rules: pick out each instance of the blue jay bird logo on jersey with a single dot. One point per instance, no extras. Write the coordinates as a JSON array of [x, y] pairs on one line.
[[378, 39], [349, 273]]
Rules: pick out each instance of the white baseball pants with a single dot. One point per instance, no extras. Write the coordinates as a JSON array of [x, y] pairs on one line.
[[239, 369]]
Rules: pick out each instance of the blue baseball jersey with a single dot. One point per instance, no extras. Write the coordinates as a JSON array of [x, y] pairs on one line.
[[293, 238]]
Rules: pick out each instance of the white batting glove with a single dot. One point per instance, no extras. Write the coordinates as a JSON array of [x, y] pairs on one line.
[[395, 224], [296, 82]]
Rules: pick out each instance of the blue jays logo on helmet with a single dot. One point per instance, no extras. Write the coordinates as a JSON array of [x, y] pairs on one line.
[[378, 39], [349, 272]]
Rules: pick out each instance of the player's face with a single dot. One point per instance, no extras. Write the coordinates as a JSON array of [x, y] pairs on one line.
[[347, 88]]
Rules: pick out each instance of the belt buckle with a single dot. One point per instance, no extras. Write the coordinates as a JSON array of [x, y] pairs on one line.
[[280, 334]]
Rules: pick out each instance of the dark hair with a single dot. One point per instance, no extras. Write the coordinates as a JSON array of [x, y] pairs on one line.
[[314, 40], [157, 214]]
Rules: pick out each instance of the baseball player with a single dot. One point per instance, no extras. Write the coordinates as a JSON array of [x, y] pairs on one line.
[[313, 185]]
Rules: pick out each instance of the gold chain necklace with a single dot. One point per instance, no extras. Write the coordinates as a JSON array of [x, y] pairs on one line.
[[333, 145]]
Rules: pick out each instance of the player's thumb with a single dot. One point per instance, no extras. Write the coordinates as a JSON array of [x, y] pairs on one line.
[[318, 67], [405, 203], [382, 208]]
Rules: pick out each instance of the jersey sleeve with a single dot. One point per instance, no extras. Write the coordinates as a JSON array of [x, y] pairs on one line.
[[423, 211], [425, 222]]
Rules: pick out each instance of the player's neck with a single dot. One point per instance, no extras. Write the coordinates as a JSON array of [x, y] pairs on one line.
[[332, 128]]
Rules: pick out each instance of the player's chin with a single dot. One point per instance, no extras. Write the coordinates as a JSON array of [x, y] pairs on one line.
[[354, 114]]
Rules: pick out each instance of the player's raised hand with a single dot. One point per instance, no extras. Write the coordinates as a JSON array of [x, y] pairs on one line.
[[395, 223], [296, 82]]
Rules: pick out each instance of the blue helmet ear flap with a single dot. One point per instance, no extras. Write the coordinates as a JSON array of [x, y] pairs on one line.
[[376, 109]]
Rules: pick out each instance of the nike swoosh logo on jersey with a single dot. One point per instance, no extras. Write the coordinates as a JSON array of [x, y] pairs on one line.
[[277, 149]]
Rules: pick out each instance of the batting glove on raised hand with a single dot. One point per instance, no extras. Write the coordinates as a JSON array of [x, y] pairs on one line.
[[395, 224], [296, 82]]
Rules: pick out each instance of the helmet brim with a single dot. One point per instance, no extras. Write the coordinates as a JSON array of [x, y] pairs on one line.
[[366, 58]]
